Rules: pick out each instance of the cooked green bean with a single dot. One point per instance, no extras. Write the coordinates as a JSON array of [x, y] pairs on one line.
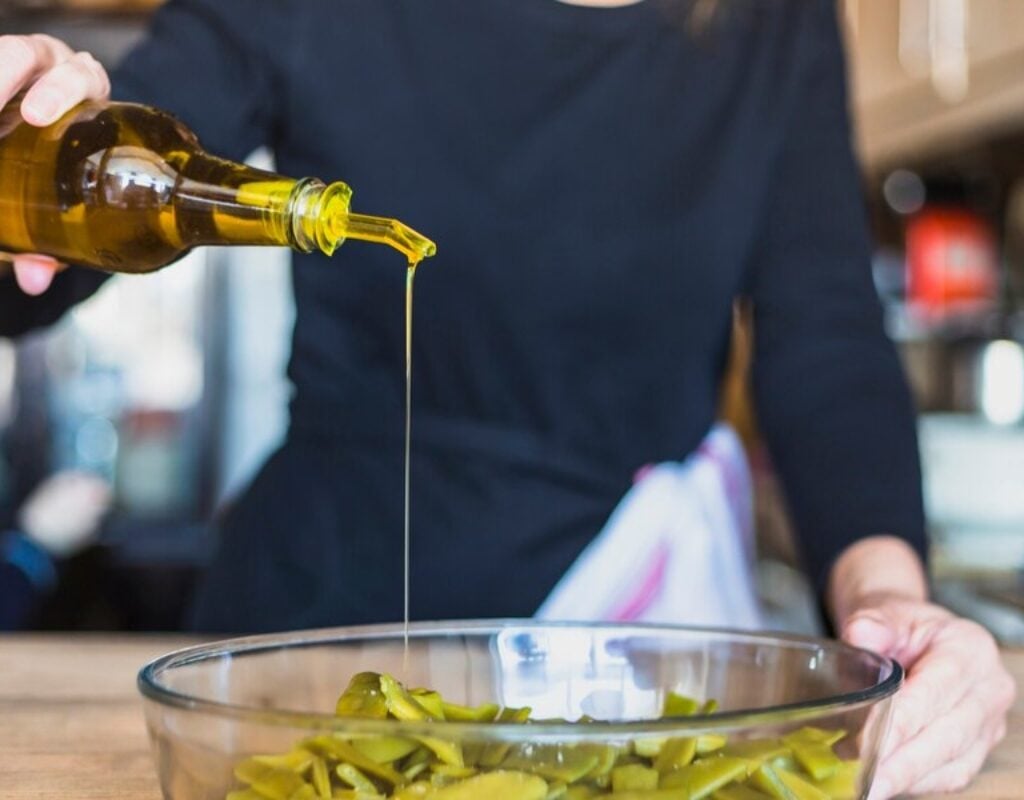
[[634, 776], [802, 765], [363, 698]]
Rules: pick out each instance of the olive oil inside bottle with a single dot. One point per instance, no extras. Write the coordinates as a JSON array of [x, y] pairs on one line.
[[126, 188]]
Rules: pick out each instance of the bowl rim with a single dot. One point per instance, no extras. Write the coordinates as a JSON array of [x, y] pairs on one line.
[[783, 714]]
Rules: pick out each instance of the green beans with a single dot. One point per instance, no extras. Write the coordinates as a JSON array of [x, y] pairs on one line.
[[802, 765], [363, 698]]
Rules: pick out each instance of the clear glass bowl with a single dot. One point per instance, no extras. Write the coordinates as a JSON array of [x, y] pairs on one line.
[[210, 707]]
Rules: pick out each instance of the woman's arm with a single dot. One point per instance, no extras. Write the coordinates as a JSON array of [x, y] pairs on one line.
[[836, 412], [830, 395]]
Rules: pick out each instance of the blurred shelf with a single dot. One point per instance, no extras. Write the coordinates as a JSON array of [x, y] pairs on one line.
[[108, 32], [80, 6], [1000, 612], [930, 78]]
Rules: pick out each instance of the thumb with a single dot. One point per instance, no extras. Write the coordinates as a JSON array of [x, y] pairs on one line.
[[34, 273], [871, 629]]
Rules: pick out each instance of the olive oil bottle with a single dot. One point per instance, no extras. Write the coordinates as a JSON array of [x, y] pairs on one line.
[[127, 188]]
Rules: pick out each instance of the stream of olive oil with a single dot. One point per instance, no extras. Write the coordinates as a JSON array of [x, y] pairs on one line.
[[410, 275]]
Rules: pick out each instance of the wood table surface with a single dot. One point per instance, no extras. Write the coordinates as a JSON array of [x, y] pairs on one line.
[[71, 722]]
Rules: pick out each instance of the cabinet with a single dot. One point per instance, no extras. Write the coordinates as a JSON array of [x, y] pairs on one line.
[[930, 76], [91, 6]]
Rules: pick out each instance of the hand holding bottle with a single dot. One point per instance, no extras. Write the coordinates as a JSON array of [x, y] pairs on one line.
[[55, 79]]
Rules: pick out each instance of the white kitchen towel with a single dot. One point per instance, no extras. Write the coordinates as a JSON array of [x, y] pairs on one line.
[[677, 549]]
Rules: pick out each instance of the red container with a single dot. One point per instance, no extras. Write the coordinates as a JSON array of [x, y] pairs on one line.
[[951, 261]]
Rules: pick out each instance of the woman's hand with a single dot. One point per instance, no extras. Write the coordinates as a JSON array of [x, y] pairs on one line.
[[952, 709], [56, 79]]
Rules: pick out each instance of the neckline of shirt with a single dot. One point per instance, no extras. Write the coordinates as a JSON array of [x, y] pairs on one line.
[[611, 20]]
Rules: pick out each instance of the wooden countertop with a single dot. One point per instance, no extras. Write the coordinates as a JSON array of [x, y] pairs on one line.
[[71, 722]]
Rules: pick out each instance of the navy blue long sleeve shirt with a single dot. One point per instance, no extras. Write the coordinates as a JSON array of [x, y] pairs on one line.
[[602, 183]]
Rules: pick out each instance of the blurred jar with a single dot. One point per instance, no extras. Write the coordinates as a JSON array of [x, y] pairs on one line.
[[952, 262]]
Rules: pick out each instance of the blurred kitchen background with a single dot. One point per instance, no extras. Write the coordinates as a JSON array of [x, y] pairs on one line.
[[173, 387]]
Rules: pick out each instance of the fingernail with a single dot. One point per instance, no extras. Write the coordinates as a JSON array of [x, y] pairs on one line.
[[869, 633], [34, 278], [42, 106]]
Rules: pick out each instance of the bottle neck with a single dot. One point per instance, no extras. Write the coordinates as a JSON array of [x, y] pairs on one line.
[[219, 202], [247, 206], [311, 213]]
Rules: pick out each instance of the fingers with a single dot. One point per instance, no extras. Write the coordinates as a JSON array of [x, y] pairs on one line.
[[952, 709], [955, 775], [951, 715], [34, 273], [62, 78], [934, 686], [947, 741], [24, 58], [895, 627], [62, 88], [865, 629]]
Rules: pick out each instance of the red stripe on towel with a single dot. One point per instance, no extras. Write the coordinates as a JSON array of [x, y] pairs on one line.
[[649, 587]]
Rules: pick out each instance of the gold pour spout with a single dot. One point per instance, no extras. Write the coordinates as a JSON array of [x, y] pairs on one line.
[[415, 246]]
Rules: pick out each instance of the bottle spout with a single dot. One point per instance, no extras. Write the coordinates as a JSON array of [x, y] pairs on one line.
[[322, 219], [413, 245]]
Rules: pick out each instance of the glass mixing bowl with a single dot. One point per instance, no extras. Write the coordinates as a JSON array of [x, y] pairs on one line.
[[211, 707]]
